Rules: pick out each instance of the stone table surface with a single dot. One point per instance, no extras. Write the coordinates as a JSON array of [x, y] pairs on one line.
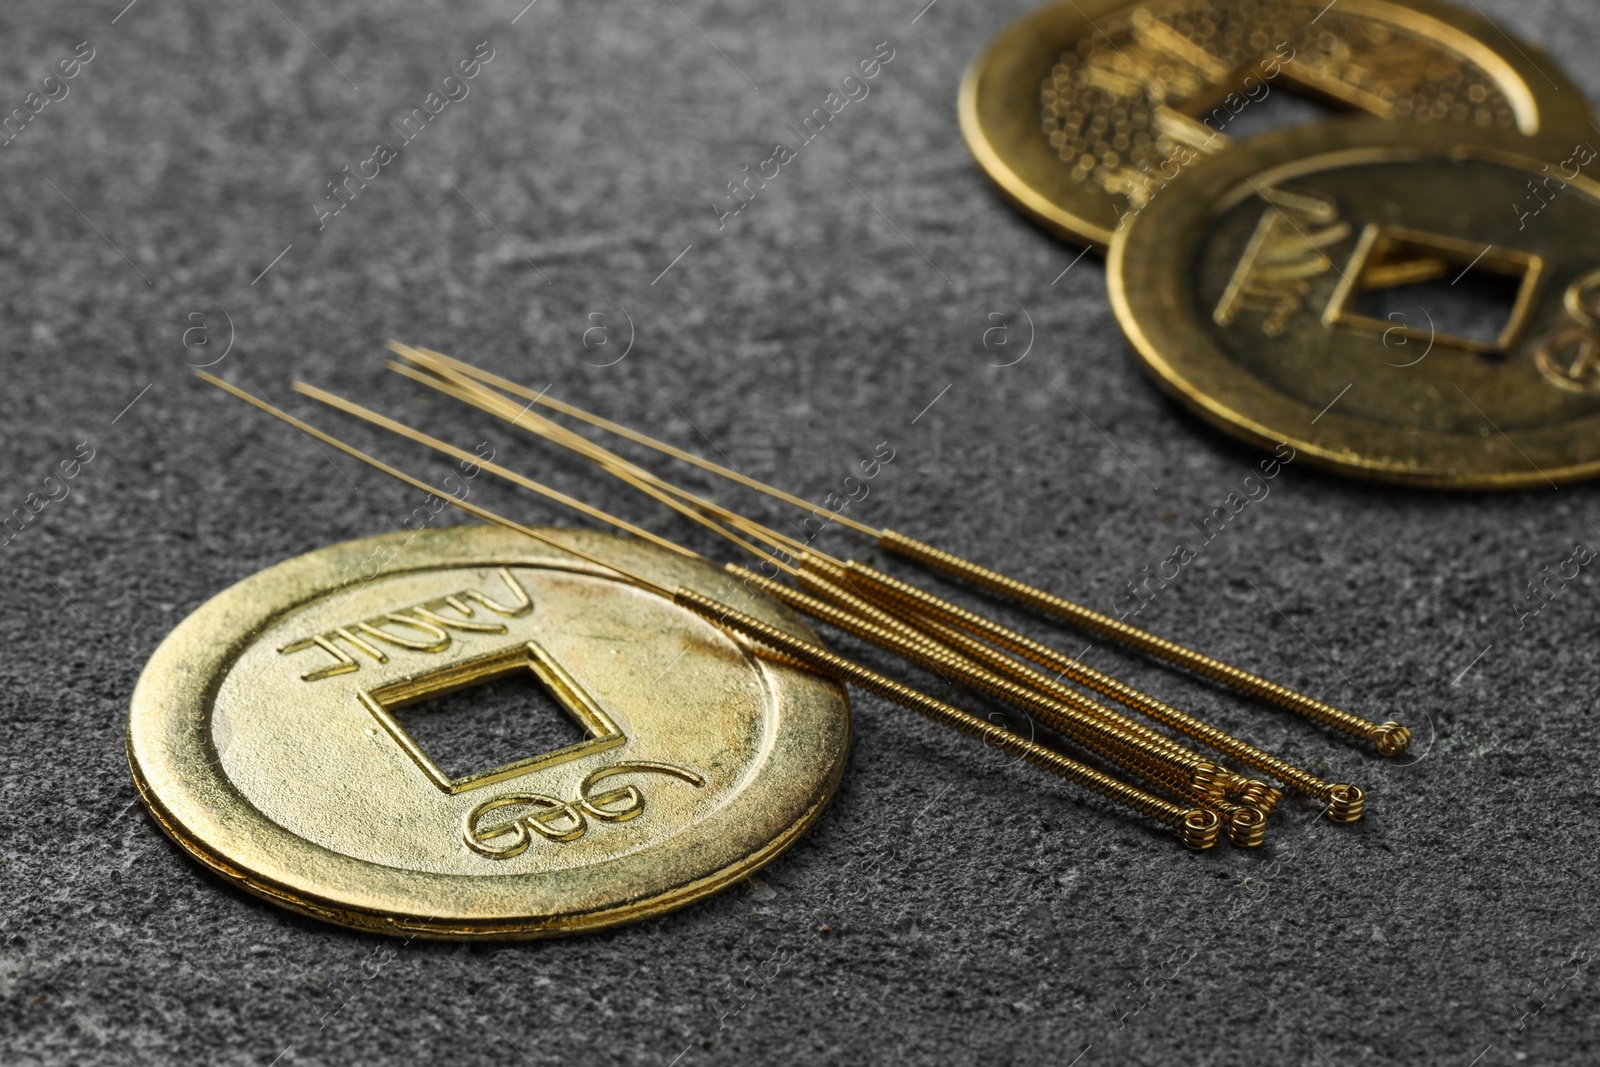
[[951, 906]]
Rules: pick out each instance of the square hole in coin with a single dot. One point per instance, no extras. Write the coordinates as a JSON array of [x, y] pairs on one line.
[[1437, 290], [1263, 106], [489, 725], [1476, 305], [492, 718]]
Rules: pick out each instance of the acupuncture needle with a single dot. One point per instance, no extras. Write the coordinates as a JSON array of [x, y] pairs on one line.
[[394, 426], [1147, 753], [1183, 768], [1389, 738], [1345, 802], [470, 392], [1165, 764], [1198, 827], [464, 390], [471, 509]]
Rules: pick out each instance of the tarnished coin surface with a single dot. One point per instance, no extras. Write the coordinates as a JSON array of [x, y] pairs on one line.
[[1258, 298], [1084, 111], [274, 736]]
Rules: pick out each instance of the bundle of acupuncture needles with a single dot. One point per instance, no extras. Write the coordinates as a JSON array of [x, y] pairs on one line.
[[1148, 770]]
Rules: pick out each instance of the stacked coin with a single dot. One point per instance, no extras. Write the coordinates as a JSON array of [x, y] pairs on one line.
[[1299, 286], [276, 736]]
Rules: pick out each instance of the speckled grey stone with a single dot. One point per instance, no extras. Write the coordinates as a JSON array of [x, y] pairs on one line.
[[950, 907]]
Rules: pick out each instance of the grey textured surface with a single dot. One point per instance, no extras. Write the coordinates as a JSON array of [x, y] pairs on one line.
[[950, 908]]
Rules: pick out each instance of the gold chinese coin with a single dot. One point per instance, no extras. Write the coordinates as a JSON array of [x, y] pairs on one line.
[[1083, 111], [275, 736], [1257, 297]]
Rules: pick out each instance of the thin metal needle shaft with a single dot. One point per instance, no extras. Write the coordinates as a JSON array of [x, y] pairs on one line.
[[1103, 722], [662, 491], [1389, 738], [426, 356], [417, 483], [444, 379], [1198, 827], [349, 407]]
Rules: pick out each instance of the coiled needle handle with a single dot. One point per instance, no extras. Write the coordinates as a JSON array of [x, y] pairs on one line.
[[1389, 738], [1198, 828]]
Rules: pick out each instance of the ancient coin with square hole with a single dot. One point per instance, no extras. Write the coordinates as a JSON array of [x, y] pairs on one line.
[[1086, 111], [1412, 303], [488, 738]]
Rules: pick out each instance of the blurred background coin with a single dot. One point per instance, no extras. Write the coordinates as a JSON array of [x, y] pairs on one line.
[[1082, 112], [1416, 303]]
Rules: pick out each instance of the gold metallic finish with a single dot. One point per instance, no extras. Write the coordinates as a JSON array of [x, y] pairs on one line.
[[918, 601], [1255, 792], [694, 508], [462, 455], [1247, 827], [1246, 823], [1242, 824], [462, 387], [937, 616], [700, 762], [1263, 796], [656, 487], [1104, 739], [1214, 779], [1205, 778], [1390, 738], [1247, 790], [924, 631], [433, 492], [1300, 222], [1086, 112], [1199, 827], [443, 377], [427, 357], [1346, 803], [1198, 787]]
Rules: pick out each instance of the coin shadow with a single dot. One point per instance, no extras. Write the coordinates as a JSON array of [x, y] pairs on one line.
[[1323, 479]]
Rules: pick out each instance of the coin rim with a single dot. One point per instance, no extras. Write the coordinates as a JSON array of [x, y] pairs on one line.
[[206, 815], [1556, 102], [1146, 274]]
